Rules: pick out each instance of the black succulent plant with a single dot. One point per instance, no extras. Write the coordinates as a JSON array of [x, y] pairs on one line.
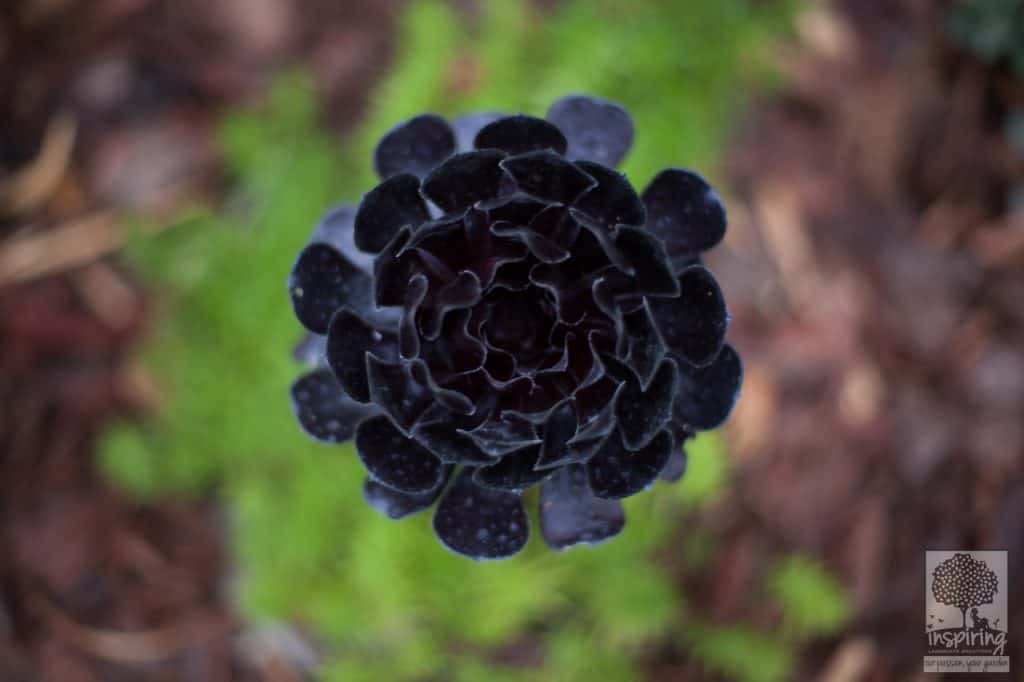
[[504, 311]]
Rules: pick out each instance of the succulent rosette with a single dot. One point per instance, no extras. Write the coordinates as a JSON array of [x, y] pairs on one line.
[[503, 312]]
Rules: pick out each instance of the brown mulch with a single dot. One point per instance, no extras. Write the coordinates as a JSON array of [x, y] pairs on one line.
[[93, 586], [875, 273], [108, 105]]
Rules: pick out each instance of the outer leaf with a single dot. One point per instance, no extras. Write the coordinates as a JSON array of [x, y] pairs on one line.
[[479, 522]]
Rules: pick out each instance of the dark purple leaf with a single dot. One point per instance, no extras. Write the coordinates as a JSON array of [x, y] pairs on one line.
[[415, 147], [397, 505], [455, 350], [408, 334], [450, 445], [685, 213], [337, 228], [570, 514], [393, 388], [616, 472], [606, 238], [548, 175], [596, 129], [449, 399], [555, 224], [465, 179], [561, 425], [323, 409], [595, 403], [348, 340], [387, 208], [467, 126], [693, 324], [393, 269], [502, 435], [542, 248], [515, 471], [653, 274], [481, 523], [462, 292], [516, 208], [311, 350], [395, 460], [676, 466], [613, 201], [640, 345], [641, 413], [706, 395], [322, 281], [520, 134]]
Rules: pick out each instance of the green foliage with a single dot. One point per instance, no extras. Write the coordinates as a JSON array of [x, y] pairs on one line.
[[742, 653], [991, 29], [390, 601], [813, 601], [813, 604]]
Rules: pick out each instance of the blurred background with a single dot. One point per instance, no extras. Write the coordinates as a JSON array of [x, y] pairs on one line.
[[161, 164]]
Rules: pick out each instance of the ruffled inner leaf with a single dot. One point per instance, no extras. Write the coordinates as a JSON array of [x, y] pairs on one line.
[[515, 471], [548, 175], [640, 345], [462, 292], [560, 427], [349, 338], [450, 445], [641, 414], [646, 255], [613, 201], [394, 389], [393, 269], [465, 179], [501, 435], [542, 248]]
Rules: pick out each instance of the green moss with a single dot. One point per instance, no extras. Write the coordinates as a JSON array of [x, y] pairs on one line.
[[813, 601], [742, 653]]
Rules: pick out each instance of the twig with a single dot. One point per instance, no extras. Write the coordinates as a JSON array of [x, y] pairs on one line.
[[106, 293], [72, 244], [144, 646], [852, 661], [31, 186]]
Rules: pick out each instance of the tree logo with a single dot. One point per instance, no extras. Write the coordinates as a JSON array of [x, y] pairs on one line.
[[966, 611]]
